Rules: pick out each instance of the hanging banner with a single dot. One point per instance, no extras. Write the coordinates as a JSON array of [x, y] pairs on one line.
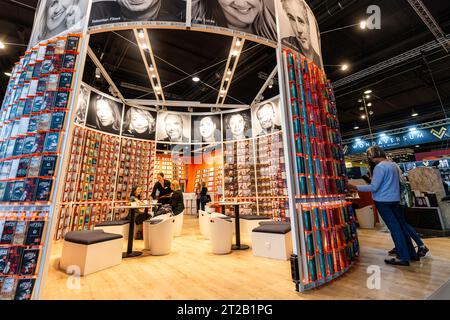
[[116, 11], [256, 17], [410, 138], [299, 29], [58, 17]]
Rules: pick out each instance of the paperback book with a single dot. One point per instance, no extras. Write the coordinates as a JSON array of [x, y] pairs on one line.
[[8, 288], [30, 189], [14, 168], [35, 166], [24, 289], [69, 61], [72, 43], [19, 194], [65, 80], [48, 166], [44, 189], [2, 194], [8, 232], [18, 147], [57, 120], [61, 99], [29, 143], [13, 264], [8, 191], [3, 259], [29, 262], [23, 128], [23, 167], [51, 142], [19, 235], [44, 121], [34, 233]]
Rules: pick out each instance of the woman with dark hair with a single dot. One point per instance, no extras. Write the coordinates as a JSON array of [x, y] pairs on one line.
[[136, 198], [177, 201], [251, 16], [139, 123], [385, 188], [107, 115]]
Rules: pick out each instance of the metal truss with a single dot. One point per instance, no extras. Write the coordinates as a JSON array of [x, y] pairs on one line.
[[430, 22], [426, 125], [430, 46]]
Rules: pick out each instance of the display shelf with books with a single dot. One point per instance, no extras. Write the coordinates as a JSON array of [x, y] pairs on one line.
[[328, 228], [213, 177], [271, 185], [21, 242], [173, 167]]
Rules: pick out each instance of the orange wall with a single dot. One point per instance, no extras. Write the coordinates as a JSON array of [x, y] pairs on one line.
[[208, 160]]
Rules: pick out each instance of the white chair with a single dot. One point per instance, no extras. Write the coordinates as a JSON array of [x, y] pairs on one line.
[[366, 217], [221, 235], [159, 235], [90, 251], [178, 224], [209, 209], [203, 218]]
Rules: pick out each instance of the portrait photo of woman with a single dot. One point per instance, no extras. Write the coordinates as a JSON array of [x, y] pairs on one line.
[[83, 99], [206, 129], [255, 17], [237, 125], [56, 17], [104, 114], [139, 123]]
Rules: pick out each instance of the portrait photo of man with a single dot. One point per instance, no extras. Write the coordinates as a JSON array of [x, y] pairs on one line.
[[301, 32], [266, 118], [173, 127], [113, 11]]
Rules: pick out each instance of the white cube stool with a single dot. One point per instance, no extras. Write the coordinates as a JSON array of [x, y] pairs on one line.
[[249, 222], [91, 251], [221, 235], [119, 227], [272, 241]]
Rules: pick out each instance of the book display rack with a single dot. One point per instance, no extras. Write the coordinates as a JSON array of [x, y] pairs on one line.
[[213, 177], [32, 118], [328, 221]]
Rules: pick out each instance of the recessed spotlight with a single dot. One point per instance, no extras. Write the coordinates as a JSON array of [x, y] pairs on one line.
[[363, 24], [234, 53], [141, 34], [144, 46], [227, 79], [369, 104], [417, 146], [368, 91], [367, 96], [151, 68], [8, 74], [2, 45], [238, 43], [360, 100], [196, 79], [229, 72], [153, 75], [344, 67], [355, 128], [363, 116], [413, 129], [414, 113], [361, 108], [97, 73]]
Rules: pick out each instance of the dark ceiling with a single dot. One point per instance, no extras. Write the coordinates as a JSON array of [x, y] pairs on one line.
[[396, 90]]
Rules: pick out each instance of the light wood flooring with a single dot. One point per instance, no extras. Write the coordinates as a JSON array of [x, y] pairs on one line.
[[192, 272]]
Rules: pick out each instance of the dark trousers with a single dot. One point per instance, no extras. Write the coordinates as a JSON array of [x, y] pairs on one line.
[[393, 216], [411, 231], [203, 201], [198, 204]]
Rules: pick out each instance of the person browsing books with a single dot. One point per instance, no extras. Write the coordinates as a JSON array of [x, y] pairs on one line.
[[162, 186], [177, 201]]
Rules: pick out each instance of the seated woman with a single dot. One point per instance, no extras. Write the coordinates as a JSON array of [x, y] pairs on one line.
[[136, 198], [177, 198]]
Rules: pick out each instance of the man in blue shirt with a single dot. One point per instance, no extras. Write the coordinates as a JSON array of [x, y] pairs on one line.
[[385, 188]]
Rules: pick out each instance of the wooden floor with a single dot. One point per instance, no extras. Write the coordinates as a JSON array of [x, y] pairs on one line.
[[192, 272]]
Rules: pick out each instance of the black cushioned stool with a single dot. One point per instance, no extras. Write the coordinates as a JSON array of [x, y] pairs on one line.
[[86, 252], [119, 226]]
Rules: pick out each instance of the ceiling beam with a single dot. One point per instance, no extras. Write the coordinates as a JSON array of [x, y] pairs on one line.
[[193, 104], [151, 70], [233, 58], [105, 74], [424, 14]]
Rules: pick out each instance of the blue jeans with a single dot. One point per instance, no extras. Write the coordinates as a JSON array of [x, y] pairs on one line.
[[392, 215], [203, 201], [411, 231]]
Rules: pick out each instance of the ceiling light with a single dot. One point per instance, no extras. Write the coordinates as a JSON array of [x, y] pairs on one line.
[[153, 75], [369, 104], [151, 68], [414, 113], [363, 24], [344, 67], [417, 146], [97, 73], [413, 129], [144, 46], [8, 74], [371, 113], [270, 86], [361, 108], [360, 100], [363, 116], [367, 96], [227, 79], [358, 139], [2, 45], [355, 128], [383, 135], [229, 72], [234, 53], [222, 95], [368, 92], [196, 79], [157, 88], [141, 34], [238, 43]]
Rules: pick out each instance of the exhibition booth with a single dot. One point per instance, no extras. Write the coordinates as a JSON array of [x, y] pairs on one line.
[[78, 133]]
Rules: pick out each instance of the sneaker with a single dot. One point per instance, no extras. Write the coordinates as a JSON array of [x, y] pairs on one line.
[[393, 252], [422, 251]]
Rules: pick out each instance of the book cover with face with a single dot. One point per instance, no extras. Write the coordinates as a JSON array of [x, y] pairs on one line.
[[35, 166]]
